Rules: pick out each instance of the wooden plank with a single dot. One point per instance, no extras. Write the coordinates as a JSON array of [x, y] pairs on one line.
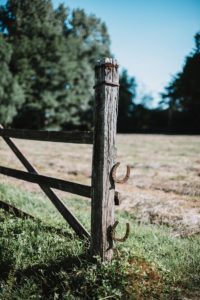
[[104, 153], [85, 137], [59, 184], [57, 202], [31, 169]]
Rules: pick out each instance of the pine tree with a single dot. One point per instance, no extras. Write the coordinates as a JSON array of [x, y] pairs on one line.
[[87, 40], [183, 93], [11, 93], [53, 59], [127, 94], [38, 59]]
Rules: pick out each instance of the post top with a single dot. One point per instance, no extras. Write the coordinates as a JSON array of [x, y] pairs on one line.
[[107, 62]]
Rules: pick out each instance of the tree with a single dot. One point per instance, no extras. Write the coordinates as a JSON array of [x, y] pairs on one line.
[[91, 35], [87, 40], [127, 94], [11, 93], [38, 58], [182, 95], [53, 58]]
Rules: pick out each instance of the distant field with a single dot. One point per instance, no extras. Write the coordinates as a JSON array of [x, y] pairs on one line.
[[164, 187]]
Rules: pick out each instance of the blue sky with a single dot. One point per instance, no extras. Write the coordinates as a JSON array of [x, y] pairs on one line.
[[150, 38]]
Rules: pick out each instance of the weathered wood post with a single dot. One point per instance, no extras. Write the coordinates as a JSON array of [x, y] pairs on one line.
[[104, 153]]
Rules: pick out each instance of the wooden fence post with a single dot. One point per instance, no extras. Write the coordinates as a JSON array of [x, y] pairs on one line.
[[104, 153]]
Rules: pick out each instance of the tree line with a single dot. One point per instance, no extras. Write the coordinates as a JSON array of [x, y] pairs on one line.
[[179, 107], [47, 59]]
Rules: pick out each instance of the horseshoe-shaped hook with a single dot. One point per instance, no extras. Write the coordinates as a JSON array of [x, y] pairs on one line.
[[124, 238], [118, 180]]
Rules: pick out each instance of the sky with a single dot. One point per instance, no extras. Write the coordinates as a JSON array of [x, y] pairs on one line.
[[150, 38]]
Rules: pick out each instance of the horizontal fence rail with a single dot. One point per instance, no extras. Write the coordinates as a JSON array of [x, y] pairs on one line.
[[59, 184], [79, 137], [57, 202], [102, 192], [55, 183]]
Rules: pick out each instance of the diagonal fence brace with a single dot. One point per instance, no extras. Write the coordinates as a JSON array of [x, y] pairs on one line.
[[18, 213], [64, 211]]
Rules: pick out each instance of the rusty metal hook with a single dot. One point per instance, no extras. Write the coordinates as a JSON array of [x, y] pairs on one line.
[[124, 238], [114, 176]]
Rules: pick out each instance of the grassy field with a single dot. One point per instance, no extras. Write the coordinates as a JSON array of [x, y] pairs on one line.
[[164, 187], [38, 262], [161, 258]]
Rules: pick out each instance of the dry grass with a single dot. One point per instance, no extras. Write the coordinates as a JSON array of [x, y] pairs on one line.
[[164, 187]]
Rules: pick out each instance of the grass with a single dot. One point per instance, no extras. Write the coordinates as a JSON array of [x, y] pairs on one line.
[[164, 185], [39, 263]]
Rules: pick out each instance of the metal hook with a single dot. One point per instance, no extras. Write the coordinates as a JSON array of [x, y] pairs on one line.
[[124, 238], [114, 177]]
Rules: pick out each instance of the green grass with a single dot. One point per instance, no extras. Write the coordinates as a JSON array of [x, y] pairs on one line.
[[39, 263]]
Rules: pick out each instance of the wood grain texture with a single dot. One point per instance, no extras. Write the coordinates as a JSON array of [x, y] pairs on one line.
[[59, 184], [84, 137], [104, 154]]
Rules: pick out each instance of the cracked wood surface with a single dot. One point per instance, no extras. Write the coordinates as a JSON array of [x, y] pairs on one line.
[[104, 153]]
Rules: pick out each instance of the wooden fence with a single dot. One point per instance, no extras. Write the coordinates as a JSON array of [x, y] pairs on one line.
[[102, 191]]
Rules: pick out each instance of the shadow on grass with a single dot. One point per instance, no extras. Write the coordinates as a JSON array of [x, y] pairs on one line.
[[59, 276]]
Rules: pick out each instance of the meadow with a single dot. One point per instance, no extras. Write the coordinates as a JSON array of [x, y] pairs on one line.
[[43, 259]]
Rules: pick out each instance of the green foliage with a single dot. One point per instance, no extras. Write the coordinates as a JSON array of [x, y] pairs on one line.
[[127, 94], [53, 58], [11, 93], [183, 93], [37, 263], [91, 36], [47, 59], [87, 40]]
